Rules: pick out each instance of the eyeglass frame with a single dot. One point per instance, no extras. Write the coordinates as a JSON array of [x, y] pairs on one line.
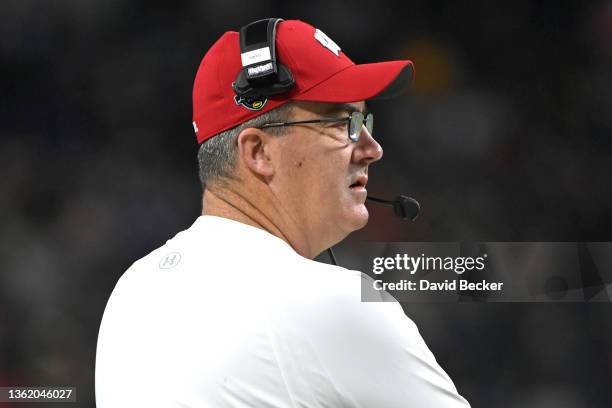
[[369, 117]]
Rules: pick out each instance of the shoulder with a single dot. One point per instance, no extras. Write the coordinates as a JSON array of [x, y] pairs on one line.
[[345, 338], [324, 297]]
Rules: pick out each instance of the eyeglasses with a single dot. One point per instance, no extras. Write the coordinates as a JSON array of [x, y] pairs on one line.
[[355, 122]]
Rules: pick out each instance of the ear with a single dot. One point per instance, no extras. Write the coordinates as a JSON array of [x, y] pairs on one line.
[[254, 150]]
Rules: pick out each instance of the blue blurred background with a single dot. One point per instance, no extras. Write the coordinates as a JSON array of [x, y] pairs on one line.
[[505, 136]]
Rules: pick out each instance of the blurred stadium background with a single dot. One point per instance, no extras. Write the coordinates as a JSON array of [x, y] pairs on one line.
[[506, 136]]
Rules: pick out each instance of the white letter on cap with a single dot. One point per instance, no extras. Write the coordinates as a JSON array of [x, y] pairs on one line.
[[327, 42]]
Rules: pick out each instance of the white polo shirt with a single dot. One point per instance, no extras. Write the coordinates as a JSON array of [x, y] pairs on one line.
[[228, 315]]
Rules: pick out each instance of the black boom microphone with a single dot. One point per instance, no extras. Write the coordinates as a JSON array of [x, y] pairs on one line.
[[403, 206]]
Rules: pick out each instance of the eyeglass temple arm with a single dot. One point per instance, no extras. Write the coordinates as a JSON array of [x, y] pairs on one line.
[[329, 120]]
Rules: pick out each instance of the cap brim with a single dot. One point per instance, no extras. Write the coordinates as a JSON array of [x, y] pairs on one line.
[[381, 80]]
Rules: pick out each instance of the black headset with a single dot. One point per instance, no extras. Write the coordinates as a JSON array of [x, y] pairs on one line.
[[261, 74]]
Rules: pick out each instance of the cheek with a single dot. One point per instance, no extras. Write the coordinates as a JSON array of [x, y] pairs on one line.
[[299, 178], [311, 177], [297, 169], [328, 175], [315, 176]]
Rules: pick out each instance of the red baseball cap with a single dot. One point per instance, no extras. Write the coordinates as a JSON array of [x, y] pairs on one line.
[[322, 73]]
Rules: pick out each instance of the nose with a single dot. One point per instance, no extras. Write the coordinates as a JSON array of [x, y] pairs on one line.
[[367, 150]]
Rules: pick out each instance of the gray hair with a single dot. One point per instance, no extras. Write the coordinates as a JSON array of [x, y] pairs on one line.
[[217, 155]]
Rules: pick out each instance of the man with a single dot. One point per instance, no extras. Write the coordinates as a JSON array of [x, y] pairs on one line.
[[233, 312]]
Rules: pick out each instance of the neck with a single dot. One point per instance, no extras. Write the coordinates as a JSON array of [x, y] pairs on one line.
[[256, 211]]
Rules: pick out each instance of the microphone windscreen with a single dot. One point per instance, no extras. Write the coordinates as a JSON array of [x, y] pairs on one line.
[[406, 207]]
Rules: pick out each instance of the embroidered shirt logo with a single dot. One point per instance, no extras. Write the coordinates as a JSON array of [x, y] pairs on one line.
[[327, 42], [170, 260]]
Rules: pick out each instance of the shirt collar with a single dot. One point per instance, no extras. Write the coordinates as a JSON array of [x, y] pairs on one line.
[[237, 229]]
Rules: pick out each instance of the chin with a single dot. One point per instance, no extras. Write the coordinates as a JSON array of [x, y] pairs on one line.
[[358, 218], [347, 222]]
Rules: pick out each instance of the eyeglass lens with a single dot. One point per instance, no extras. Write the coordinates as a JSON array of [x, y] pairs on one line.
[[356, 123]]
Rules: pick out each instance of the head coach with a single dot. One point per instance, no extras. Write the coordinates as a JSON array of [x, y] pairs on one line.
[[233, 312]]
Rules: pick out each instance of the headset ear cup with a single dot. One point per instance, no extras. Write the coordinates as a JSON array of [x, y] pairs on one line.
[[285, 77], [282, 84], [241, 86]]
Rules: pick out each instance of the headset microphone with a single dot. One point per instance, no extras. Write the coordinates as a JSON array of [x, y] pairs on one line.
[[403, 206]]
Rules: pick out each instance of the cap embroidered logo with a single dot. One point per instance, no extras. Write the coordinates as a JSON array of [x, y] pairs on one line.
[[327, 42], [254, 102]]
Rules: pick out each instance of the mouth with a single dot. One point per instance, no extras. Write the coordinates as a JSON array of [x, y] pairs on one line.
[[359, 183]]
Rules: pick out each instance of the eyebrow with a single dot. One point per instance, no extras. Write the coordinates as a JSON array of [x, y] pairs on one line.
[[347, 107]]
